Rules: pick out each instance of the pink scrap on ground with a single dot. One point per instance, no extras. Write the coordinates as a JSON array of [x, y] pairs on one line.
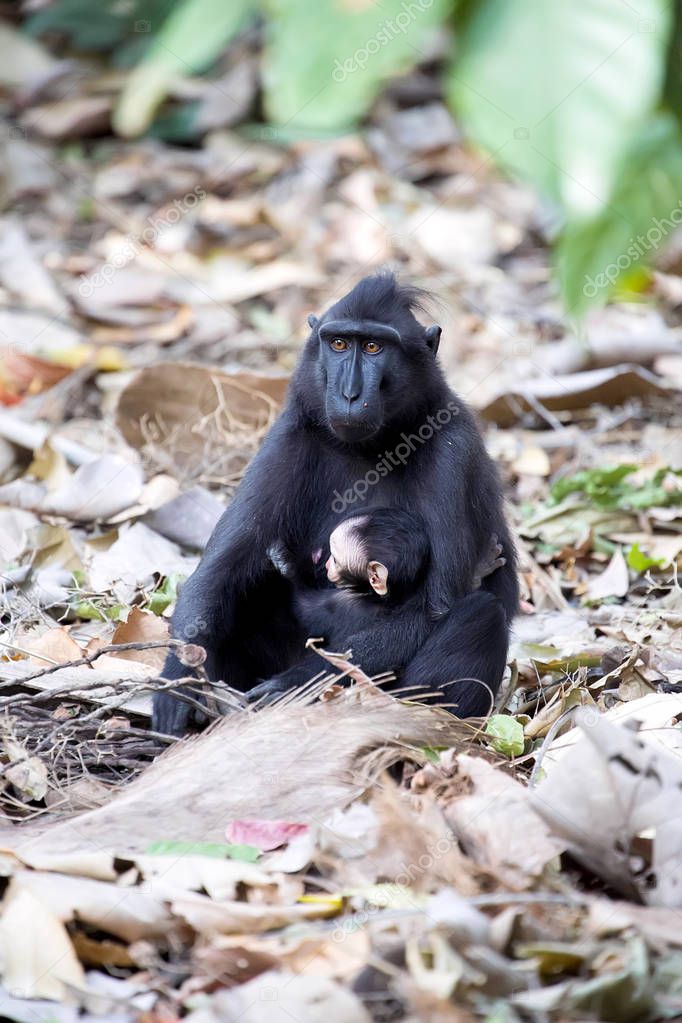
[[264, 834]]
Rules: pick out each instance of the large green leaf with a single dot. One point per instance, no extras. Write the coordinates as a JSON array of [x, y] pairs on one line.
[[556, 89], [644, 210], [326, 59], [188, 41], [123, 30]]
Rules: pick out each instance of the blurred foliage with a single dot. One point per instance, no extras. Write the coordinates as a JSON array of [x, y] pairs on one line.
[[583, 100], [638, 560], [183, 45], [575, 116], [341, 53], [123, 30], [611, 488]]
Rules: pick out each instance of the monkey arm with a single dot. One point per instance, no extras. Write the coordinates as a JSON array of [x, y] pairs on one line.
[[386, 646], [235, 564], [469, 537], [391, 645], [318, 611]]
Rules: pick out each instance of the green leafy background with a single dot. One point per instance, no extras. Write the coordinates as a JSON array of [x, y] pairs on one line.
[[582, 100]]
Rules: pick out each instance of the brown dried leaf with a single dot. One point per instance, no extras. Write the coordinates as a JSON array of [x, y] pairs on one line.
[[296, 997], [142, 627], [54, 646], [169, 329], [29, 777], [77, 117], [611, 386], [611, 789], [498, 825], [198, 423], [127, 912], [22, 272]]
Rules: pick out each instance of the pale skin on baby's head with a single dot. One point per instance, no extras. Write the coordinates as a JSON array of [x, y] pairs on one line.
[[348, 556]]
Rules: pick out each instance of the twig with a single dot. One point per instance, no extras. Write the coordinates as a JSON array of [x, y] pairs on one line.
[[88, 659], [28, 653]]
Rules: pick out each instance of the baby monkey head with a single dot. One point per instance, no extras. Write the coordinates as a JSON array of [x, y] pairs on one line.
[[384, 552]]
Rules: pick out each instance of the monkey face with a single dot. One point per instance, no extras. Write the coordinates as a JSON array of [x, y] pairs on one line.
[[332, 569], [368, 360], [355, 368], [348, 565]]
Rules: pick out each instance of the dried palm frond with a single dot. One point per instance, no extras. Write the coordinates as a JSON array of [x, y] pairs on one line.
[[297, 759]]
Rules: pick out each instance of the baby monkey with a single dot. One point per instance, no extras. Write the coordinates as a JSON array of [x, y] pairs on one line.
[[378, 564]]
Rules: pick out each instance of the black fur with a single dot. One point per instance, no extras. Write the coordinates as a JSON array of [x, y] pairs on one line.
[[398, 540], [395, 538], [350, 414]]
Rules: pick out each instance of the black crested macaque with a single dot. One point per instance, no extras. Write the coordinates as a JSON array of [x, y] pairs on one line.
[[368, 413], [378, 563]]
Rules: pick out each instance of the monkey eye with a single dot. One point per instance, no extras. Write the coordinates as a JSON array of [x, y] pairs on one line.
[[338, 344], [371, 347]]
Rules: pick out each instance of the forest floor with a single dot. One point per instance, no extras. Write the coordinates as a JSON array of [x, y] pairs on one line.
[[153, 300]]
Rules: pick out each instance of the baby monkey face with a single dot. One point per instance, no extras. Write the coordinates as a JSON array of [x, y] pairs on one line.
[[349, 563], [347, 556], [332, 570]]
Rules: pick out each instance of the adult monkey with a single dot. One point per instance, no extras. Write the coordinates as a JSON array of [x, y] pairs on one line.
[[368, 413]]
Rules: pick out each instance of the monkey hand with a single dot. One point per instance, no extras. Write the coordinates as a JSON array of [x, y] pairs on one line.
[[268, 692], [491, 559], [280, 556]]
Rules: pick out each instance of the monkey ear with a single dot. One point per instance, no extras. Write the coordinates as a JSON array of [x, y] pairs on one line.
[[313, 321], [378, 577], [432, 336]]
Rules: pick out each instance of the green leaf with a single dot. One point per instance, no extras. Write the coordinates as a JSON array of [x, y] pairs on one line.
[[165, 594], [103, 28], [555, 91], [432, 753], [602, 486], [506, 735], [609, 488], [672, 90], [217, 850], [99, 611], [189, 40], [326, 60], [644, 210], [661, 491], [122, 29], [640, 561]]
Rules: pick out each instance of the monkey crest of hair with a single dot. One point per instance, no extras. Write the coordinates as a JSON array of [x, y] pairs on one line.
[[359, 400], [383, 298]]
